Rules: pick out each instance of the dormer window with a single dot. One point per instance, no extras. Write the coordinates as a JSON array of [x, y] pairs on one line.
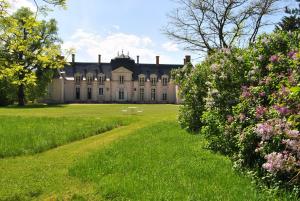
[[101, 79], [153, 80], [142, 80], [121, 79], [77, 79], [165, 81], [89, 79]]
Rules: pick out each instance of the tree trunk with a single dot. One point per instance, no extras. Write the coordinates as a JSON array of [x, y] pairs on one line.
[[21, 95]]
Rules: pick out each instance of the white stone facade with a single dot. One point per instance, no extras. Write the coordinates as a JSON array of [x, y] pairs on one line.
[[117, 86]]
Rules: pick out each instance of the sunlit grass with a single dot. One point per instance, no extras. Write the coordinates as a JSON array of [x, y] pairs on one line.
[[27, 135], [163, 162], [149, 158]]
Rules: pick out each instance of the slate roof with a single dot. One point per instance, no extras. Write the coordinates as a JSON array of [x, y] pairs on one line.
[[106, 68]]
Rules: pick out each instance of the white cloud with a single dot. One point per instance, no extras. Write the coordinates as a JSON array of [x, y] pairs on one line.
[[16, 4], [116, 27], [88, 45], [170, 46]]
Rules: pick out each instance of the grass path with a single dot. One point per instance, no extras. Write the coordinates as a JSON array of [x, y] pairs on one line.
[[46, 176], [47, 173]]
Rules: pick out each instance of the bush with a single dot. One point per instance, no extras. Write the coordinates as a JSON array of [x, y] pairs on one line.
[[269, 139], [246, 102], [193, 90], [7, 93]]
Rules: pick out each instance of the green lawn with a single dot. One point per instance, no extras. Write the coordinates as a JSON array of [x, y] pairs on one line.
[[27, 135], [148, 158], [162, 162]]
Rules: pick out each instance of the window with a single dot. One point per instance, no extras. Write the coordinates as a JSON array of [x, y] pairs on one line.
[[121, 79], [121, 94], [142, 81], [89, 93], [89, 80], [101, 91], [101, 80], [153, 94], [77, 93], [142, 94], [165, 96], [77, 79], [165, 81], [153, 81]]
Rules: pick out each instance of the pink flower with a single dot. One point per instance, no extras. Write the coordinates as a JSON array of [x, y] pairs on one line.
[[260, 111], [274, 162], [292, 133], [284, 91], [268, 80], [245, 92], [242, 117], [274, 58], [293, 55], [262, 94], [265, 131], [279, 162], [282, 109], [260, 57], [230, 118]]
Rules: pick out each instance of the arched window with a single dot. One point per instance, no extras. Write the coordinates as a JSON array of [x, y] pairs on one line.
[[77, 78], [142, 94], [101, 78], [165, 80], [121, 94], [153, 80], [153, 94], [90, 78], [121, 79], [142, 80], [89, 93], [165, 96], [77, 93]]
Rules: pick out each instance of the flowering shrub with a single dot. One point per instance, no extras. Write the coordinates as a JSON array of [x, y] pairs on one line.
[[192, 90], [227, 74], [268, 137], [247, 104]]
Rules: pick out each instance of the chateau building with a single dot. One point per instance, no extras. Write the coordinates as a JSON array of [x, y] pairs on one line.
[[121, 80]]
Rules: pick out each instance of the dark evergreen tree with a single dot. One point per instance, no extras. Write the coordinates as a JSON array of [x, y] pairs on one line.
[[289, 23]]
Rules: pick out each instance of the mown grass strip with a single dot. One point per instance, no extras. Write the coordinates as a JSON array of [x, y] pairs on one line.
[[22, 135], [163, 162]]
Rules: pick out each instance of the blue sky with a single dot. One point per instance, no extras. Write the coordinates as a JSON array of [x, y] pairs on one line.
[[105, 27]]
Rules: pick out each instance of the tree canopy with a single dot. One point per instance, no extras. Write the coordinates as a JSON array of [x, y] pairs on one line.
[[212, 24], [28, 47]]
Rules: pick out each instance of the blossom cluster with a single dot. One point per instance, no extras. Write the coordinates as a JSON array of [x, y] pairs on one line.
[[279, 162], [270, 103]]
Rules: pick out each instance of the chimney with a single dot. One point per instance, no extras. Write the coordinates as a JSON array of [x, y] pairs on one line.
[[157, 60], [138, 59], [73, 58], [187, 59], [99, 58]]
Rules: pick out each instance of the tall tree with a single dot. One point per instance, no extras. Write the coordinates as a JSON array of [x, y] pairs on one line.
[[293, 11], [5, 4], [205, 25], [291, 22], [28, 46]]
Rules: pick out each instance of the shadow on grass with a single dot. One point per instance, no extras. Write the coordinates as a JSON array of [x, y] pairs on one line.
[[33, 106]]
